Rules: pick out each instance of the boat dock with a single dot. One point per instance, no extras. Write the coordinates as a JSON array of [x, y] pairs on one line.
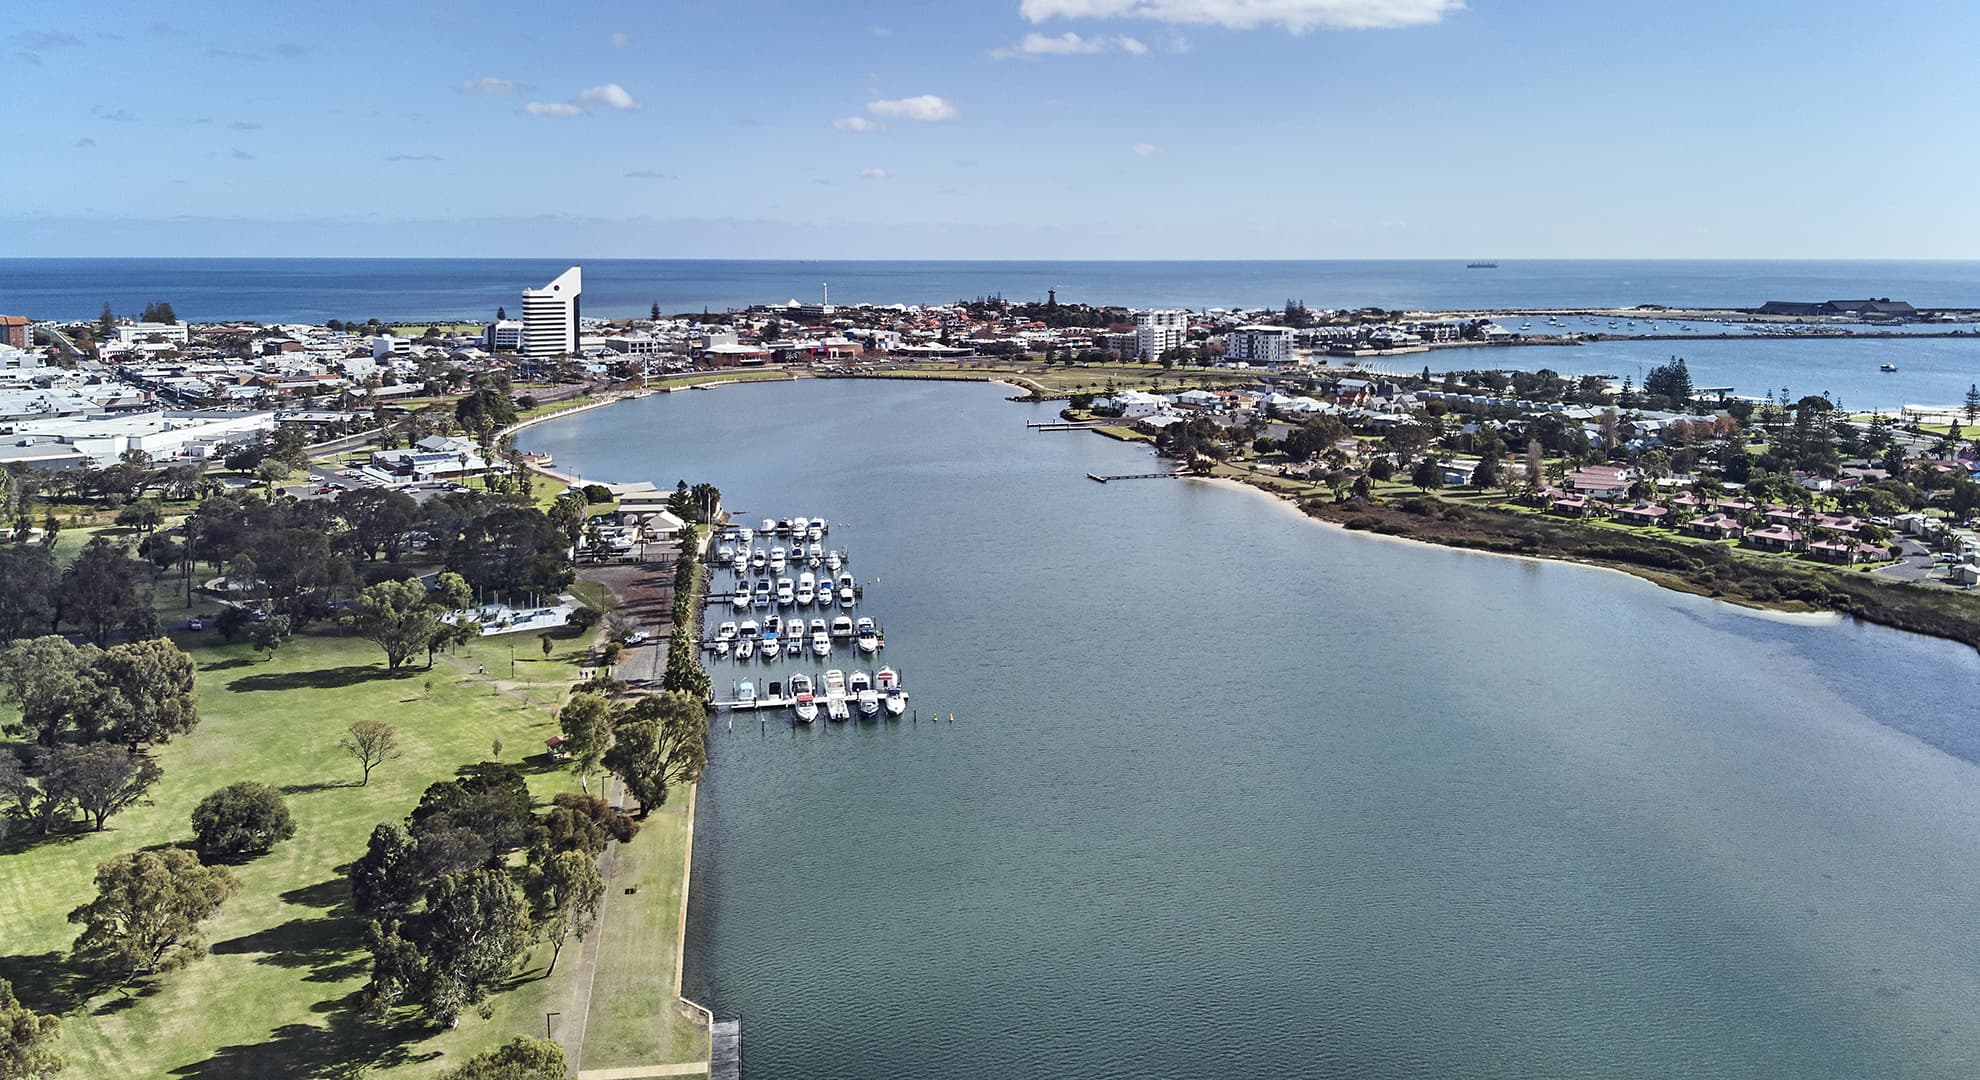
[[1135, 476], [1068, 425], [725, 1050], [782, 701]]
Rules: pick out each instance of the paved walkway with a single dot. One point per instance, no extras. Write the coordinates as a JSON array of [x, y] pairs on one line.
[[640, 1072]]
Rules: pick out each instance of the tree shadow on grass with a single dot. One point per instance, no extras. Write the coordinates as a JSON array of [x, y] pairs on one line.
[[326, 679], [14, 845], [47, 982], [228, 665], [327, 945], [328, 894], [311, 789], [348, 1047]]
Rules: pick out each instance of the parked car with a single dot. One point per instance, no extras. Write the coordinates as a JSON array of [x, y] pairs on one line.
[[196, 623], [638, 637]]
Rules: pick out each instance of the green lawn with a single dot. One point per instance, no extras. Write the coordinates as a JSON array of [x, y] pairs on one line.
[[273, 998], [636, 1018]]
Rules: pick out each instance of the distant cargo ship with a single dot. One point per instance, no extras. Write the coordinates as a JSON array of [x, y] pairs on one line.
[[1481, 266]]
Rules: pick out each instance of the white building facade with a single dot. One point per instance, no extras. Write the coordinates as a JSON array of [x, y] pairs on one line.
[[503, 335], [550, 315], [1156, 332], [1260, 344]]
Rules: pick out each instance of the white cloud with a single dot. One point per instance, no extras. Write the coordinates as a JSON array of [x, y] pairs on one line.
[[552, 108], [926, 109], [1069, 44], [611, 95], [621, 39], [489, 84], [858, 125], [1297, 16], [872, 174], [1142, 149]]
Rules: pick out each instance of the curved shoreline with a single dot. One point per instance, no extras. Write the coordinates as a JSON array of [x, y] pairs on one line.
[[1291, 505]]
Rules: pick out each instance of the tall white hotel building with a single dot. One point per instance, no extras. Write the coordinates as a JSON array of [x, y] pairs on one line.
[[550, 315]]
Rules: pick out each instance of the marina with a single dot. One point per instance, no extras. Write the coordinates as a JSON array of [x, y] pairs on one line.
[[784, 621]]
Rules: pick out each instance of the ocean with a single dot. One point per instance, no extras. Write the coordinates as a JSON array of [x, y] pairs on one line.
[[314, 290]]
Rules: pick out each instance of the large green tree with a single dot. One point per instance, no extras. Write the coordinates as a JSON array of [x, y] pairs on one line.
[[659, 741], [242, 819], [565, 890], [49, 681], [27, 1042], [101, 779], [28, 580], [104, 591], [396, 615], [454, 953], [147, 913], [146, 692], [586, 722], [521, 1058]]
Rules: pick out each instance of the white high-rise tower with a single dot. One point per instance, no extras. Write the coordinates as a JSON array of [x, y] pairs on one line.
[[550, 315]]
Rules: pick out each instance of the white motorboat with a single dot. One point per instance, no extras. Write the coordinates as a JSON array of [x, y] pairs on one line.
[[760, 595], [777, 560], [745, 692], [725, 555], [867, 635], [815, 533], [740, 598], [783, 526], [759, 561], [744, 534], [799, 526], [869, 702], [773, 647], [722, 650], [888, 683], [821, 643], [745, 648], [848, 591], [807, 589], [835, 695], [818, 626], [814, 560], [802, 702], [786, 593], [773, 625], [833, 560], [768, 527], [726, 632], [842, 627]]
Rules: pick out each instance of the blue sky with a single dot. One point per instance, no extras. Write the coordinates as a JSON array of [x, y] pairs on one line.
[[992, 129]]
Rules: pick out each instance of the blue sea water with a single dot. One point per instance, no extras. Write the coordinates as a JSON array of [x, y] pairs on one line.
[[281, 290]]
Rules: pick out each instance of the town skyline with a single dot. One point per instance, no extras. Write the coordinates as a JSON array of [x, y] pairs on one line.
[[1051, 129]]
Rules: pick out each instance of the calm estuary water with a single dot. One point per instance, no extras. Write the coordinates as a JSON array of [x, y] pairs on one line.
[[1231, 794]]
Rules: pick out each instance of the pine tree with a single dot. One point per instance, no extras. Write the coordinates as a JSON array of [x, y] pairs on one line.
[[1972, 409], [106, 323]]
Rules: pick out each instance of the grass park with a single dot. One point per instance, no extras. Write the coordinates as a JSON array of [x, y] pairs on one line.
[[276, 995]]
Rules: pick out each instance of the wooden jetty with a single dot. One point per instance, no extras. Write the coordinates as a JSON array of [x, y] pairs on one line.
[[1135, 476], [1067, 425], [725, 1050]]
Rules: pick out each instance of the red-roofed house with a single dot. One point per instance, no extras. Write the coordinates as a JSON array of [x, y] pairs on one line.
[[1775, 538]]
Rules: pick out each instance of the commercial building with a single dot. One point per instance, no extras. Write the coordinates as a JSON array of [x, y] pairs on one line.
[[16, 331], [1156, 332], [1260, 344], [503, 335], [134, 333], [550, 315]]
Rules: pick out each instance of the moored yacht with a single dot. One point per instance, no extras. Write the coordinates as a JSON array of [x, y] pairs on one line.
[[759, 561], [745, 648], [786, 594], [835, 695], [726, 632], [807, 589], [777, 562], [888, 683], [833, 560], [848, 591], [866, 634], [745, 692], [773, 646], [802, 702], [768, 527], [842, 626], [821, 643]]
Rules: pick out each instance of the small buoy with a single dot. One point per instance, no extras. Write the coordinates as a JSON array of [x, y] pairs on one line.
[[952, 718]]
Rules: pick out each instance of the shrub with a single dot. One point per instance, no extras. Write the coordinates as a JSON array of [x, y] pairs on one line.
[[240, 820]]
